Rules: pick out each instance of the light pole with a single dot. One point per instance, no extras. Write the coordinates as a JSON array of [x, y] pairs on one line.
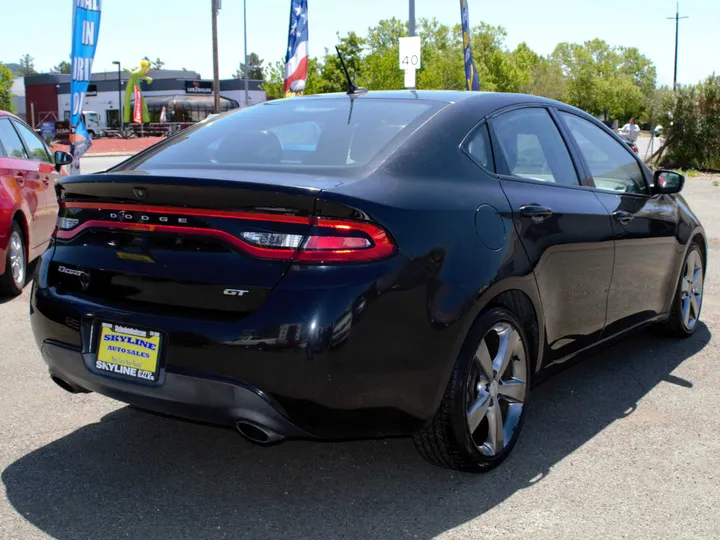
[[677, 18], [216, 69], [411, 22], [120, 103], [247, 68]]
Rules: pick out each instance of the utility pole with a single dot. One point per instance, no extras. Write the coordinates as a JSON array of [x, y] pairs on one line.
[[247, 77], [411, 22], [677, 18], [216, 69]]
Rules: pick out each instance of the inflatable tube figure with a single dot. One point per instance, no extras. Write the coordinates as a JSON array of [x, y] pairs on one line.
[[136, 75]]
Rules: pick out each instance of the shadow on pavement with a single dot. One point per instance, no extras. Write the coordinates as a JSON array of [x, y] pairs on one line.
[[134, 475]]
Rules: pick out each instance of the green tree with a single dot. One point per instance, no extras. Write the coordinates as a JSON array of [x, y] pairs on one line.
[[442, 57], [6, 82], [692, 126], [273, 78], [27, 66], [255, 70], [616, 82], [381, 70], [331, 76], [594, 76], [154, 64], [546, 79], [62, 67]]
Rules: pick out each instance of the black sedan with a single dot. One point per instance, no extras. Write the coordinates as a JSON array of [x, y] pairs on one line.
[[386, 264]]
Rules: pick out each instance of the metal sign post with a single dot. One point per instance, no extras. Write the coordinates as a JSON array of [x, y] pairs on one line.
[[410, 58]]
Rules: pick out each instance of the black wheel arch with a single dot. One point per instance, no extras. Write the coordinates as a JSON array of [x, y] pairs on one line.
[[685, 242], [520, 296]]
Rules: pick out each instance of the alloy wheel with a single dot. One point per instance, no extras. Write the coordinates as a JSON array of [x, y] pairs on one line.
[[496, 389], [17, 258], [691, 290]]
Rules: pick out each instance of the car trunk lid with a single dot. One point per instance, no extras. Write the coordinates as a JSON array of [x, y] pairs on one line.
[[180, 243]]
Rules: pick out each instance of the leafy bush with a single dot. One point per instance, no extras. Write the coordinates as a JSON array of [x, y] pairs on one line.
[[6, 82], [693, 126]]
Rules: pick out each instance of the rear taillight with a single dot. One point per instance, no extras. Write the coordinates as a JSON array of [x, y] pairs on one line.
[[328, 241], [64, 223], [344, 241]]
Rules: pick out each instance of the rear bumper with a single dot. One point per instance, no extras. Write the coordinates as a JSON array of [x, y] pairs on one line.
[[195, 398], [368, 353]]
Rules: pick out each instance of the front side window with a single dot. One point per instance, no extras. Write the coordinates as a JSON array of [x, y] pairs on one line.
[[11, 140], [611, 165], [35, 147], [533, 147], [293, 134]]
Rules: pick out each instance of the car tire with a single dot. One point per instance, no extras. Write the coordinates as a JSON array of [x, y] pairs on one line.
[[13, 280], [687, 303], [475, 398]]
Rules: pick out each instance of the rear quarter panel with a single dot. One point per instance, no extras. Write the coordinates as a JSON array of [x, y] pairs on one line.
[[452, 219]]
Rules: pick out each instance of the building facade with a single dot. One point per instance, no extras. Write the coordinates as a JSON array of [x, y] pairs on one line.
[[47, 96]]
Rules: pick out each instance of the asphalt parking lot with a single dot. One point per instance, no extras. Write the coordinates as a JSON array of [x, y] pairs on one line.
[[625, 444]]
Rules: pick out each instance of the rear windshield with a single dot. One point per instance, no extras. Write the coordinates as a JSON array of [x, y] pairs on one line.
[[297, 132]]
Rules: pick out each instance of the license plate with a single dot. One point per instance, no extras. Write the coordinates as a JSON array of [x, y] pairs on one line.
[[128, 352]]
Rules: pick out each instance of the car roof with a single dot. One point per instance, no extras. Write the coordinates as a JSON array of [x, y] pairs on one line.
[[446, 96], [6, 113], [481, 103], [488, 99]]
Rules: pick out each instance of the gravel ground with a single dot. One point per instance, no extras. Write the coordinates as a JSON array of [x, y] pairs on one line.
[[625, 444]]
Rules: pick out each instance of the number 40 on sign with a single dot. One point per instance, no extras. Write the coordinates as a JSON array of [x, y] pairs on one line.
[[410, 58]]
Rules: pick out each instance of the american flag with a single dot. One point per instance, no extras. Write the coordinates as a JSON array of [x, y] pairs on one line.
[[296, 60]]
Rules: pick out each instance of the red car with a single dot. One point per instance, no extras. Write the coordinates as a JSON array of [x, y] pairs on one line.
[[28, 205]]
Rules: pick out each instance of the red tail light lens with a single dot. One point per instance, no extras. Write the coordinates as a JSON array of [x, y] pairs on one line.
[[328, 241], [345, 241]]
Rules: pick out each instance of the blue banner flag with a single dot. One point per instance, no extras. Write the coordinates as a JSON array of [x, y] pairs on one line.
[[471, 75], [86, 28]]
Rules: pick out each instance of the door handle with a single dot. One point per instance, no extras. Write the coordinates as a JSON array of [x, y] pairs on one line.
[[536, 212], [20, 179], [623, 217], [46, 181]]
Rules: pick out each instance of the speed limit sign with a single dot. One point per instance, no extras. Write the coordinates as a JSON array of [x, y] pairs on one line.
[[410, 52], [410, 58]]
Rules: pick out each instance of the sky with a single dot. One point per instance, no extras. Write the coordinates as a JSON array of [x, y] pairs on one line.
[[179, 31]]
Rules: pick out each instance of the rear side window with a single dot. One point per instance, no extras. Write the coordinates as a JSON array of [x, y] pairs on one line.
[[11, 140], [293, 133], [611, 165], [478, 146], [35, 146], [533, 147]]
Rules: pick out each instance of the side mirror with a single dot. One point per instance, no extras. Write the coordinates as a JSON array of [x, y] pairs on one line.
[[62, 158], [668, 182]]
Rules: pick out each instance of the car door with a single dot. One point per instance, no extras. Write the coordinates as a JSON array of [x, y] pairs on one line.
[[22, 182], [41, 163], [564, 228], [644, 226]]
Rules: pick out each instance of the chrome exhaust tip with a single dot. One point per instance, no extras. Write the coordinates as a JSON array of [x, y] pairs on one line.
[[257, 434]]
